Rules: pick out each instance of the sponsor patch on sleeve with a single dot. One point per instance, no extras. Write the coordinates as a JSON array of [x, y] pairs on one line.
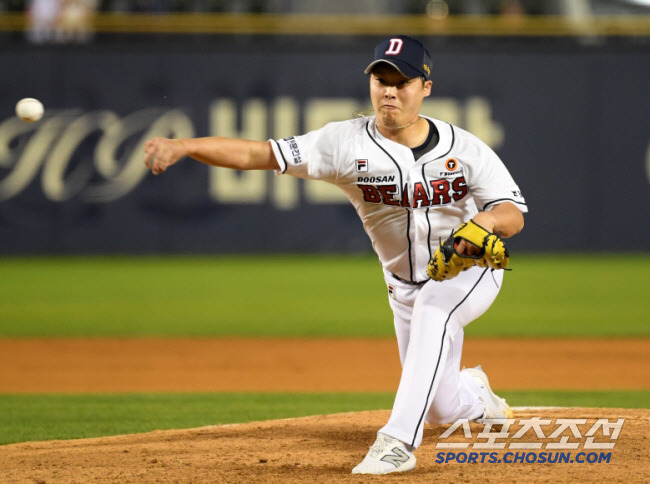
[[295, 151]]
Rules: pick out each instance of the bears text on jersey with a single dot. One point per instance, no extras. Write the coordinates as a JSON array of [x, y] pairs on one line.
[[439, 192]]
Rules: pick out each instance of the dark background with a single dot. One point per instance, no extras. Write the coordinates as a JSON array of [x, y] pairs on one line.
[[574, 113]]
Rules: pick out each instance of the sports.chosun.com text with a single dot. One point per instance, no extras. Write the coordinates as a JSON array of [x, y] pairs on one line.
[[523, 457]]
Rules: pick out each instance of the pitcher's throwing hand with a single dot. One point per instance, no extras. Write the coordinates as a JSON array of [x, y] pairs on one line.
[[161, 153]]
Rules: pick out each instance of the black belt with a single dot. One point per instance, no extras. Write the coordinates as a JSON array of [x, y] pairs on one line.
[[407, 282]]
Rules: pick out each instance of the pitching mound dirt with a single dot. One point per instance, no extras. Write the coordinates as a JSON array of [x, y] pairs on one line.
[[323, 449], [315, 449]]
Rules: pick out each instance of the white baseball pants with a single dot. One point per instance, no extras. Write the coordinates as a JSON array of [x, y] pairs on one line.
[[429, 321]]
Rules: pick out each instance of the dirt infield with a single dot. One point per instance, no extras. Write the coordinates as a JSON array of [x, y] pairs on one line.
[[304, 365], [319, 448]]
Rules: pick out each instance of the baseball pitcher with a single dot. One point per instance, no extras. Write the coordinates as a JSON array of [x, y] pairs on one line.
[[436, 202]]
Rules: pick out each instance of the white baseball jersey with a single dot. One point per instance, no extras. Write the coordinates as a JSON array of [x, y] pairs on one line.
[[406, 206]]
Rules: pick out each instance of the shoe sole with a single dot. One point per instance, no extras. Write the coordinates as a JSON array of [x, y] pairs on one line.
[[403, 468]]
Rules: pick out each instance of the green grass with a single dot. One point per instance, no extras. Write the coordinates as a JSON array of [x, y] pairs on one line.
[[339, 296], [570, 295], [192, 296], [50, 417], [550, 295], [600, 398]]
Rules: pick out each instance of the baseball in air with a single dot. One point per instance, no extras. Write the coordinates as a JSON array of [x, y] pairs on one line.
[[29, 109]]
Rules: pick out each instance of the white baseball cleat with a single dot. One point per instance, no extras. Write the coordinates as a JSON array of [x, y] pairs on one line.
[[495, 406], [385, 456]]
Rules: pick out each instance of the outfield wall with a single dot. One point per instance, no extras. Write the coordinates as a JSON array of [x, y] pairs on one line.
[[570, 119]]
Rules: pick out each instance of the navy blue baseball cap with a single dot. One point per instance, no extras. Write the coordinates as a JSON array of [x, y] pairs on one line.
[[405, 54]]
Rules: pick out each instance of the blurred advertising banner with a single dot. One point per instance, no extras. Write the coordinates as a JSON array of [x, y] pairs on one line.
[[571, 122]]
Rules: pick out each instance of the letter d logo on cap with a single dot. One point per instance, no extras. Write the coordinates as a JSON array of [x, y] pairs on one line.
[[395, 47]]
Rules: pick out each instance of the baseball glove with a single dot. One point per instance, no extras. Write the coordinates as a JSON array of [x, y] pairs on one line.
[[447, 263]]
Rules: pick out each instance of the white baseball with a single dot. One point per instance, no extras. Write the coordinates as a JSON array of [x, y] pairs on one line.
[[29, 109]]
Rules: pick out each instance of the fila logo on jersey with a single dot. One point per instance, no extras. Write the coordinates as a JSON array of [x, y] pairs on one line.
[[394, 47], [441, 192], [362, 166]]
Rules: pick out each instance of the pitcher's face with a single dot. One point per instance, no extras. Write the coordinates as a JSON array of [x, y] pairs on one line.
[[396, 99]]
